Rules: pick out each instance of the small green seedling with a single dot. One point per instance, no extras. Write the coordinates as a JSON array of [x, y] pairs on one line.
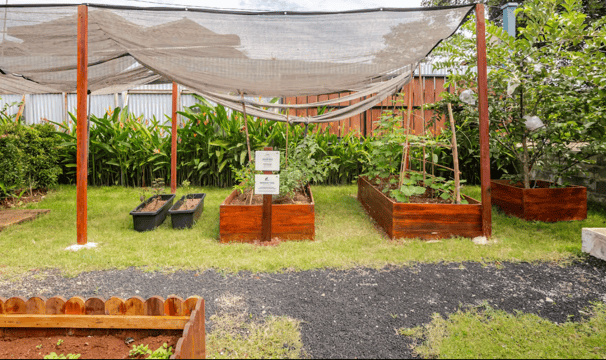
[[163, 352], [39, 346], [54, 355], [59, 342]]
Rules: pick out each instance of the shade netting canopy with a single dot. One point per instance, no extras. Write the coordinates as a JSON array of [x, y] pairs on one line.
[[221, 54]]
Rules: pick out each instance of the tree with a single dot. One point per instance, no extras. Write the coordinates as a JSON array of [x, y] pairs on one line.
[[554, 72]]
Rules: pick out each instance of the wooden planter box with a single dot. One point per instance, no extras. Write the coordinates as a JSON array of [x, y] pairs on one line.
[[423, 221], [242, 223], [78, 317], [542, 204]]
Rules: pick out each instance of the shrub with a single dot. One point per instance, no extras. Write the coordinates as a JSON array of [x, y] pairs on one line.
[[30, 157]]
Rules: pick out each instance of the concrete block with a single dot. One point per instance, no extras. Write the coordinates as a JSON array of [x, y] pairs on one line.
[[594, 242]]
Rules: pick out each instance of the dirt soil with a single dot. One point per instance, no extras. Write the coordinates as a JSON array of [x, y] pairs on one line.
[[189, 204], [152, 206], [244, 199], [353, 313], [17, 216], [90, 347], [429, 197], [36, 196]]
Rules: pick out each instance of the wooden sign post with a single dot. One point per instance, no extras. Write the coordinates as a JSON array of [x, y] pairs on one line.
[[267, 162]]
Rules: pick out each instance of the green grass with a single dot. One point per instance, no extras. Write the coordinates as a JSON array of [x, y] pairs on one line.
[[488, 333], [345, 238]]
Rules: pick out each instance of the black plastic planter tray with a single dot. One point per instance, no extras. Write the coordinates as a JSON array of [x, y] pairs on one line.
[[145, 221], [182, 219]]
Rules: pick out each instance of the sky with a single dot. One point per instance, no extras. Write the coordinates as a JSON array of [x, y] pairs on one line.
[[260, 5]]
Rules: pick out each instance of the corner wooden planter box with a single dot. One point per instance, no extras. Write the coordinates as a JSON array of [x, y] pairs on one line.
[[242, 223], [423, 221], [542, 204], [37, 316]]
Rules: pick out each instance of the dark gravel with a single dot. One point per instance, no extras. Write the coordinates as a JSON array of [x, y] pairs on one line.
[[354, 313]]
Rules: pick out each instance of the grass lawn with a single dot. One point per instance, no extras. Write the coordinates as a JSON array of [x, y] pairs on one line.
[[486, 333], [345, 238]]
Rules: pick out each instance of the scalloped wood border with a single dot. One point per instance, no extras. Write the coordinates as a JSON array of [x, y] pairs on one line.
[[174, 313]]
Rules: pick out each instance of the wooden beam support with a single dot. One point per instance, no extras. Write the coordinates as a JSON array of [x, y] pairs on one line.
[[173, 151], [82, 125], [484, 124], [93, 321], [267, 207]]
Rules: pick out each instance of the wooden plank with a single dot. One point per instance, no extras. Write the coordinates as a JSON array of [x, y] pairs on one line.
[[178, 347], [2, 301], [93, 321], [94, 306], [115, 306], [484, 125], [55, 305], [75, 306], [35, 305], [190, 304], [154, 306], [199, 331], [134, 306], [82, 127], [174, 306], [15, 305]]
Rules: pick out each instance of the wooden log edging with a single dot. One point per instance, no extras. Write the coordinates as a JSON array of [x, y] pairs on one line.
[[155, 313]]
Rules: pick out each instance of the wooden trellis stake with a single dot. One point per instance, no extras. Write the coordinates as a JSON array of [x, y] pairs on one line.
[[455, 156], [173, 153]]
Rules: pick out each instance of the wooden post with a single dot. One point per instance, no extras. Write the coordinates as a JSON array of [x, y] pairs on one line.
[[484, 124], [82, 128], [246, 127], [267, 199], [173, 151]]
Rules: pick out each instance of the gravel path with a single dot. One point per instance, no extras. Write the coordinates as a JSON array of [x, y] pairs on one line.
[[354, 313]]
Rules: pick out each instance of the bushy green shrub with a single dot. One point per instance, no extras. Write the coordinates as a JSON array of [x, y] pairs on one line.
[[30, 157]]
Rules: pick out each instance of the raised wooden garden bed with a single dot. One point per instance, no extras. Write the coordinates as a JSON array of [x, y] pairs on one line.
[[541, 203], [423, 221], [242, 223], [135, 317]]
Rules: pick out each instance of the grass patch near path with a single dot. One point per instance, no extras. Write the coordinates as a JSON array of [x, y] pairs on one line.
[[488, 333], [236, 334], [345, 238]]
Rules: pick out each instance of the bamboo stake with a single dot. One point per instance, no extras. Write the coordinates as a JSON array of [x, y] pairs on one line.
[[455, 156], [20, 112], [438, 165], [405, 149], [246, 127], [423, 164]]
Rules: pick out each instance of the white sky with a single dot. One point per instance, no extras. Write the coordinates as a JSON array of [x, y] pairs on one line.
[[291, 5]]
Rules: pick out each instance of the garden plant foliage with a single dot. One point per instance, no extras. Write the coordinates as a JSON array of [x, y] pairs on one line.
[[129, 150], [30, 157], [554, 69]]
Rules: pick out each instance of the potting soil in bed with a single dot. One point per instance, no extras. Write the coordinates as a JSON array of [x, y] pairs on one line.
[[189, 204], [244, 199], [89, 347], [152, 206]]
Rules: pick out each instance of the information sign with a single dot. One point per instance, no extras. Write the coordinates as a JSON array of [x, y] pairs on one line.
[[267, 184], [267, 160]]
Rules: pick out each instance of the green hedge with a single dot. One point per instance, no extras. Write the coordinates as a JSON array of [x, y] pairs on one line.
[[30, 157]]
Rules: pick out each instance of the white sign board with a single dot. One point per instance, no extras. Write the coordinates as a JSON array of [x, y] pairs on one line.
[[267, 184], [267, 160]]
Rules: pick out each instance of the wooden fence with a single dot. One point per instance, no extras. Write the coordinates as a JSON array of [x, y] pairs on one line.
[[365, 123]]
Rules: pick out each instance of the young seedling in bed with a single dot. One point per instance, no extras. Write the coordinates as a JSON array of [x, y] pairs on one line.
[[54, 355], [163, 352]]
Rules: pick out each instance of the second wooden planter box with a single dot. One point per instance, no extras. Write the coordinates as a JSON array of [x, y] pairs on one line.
[[242, 223], [38, 317], [423, 221], [541, 203]]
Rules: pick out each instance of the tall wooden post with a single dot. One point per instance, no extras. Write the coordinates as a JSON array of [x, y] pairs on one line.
[[484, 124], [266, 217], [173, 151], [82, 126]]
